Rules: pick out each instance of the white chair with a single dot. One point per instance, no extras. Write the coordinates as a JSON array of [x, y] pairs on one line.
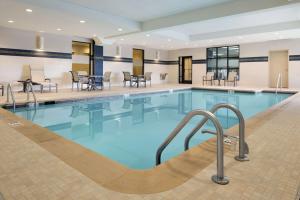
[[148, 77], [106, 78], [232, 78], [210, 77], [37, 77]]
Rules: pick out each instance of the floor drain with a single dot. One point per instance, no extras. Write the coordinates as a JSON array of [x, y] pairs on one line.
[[14, 124]]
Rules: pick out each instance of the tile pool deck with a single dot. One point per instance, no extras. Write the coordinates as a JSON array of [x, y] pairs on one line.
[[29, 171]]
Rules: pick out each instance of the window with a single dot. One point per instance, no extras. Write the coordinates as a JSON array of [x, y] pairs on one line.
[[222, 60]]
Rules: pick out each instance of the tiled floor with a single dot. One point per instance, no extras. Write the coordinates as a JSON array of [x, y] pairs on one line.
[[28, 171]]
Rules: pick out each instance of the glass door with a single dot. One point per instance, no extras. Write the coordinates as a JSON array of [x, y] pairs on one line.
[[185, 69]]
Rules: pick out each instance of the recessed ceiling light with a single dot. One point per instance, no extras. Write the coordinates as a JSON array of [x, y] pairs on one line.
[[10, 21], [41, 31], [58, 29], [147, 35], [28, 10], [120, 29], [122, 39], [82, 21], [169, 40], [94, 35]]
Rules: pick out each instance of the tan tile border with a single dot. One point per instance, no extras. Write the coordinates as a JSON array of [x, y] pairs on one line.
[[116, 177]]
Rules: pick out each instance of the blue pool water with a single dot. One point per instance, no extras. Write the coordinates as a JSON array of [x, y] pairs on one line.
[[129, 130]]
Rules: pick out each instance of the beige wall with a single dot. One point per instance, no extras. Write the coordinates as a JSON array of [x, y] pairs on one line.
[[253, 74], [11, 67], [118, 67]]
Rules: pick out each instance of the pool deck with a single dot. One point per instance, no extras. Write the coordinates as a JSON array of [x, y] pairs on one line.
[[31, 169]]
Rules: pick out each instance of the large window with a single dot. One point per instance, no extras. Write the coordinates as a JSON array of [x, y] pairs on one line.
[[223, 60]]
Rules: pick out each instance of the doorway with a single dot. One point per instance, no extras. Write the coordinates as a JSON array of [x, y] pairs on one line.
[[278, 64], [81, 53], [138, 62], [185, 69]]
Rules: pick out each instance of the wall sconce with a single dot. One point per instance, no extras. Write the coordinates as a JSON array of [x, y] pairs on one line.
[[118, 51], [157, 55], [39, 43]]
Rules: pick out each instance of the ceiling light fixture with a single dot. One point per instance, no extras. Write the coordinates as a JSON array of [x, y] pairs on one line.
[[41, 31], [59, 29], [169, 40], [147, 35], [120, 29], [28, 10], [10, 21], [82, 21], [122, 39]]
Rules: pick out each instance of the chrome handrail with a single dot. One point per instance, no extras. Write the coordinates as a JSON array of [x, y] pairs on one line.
[[242, 144], [279, 82], [32, 92], [219, 178], [10, 92]]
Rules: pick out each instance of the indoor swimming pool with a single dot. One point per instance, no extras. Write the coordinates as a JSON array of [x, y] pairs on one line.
[[128, 129]]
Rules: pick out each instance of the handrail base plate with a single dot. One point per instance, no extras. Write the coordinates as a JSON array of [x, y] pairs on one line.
[[221, 181], [246, 158]]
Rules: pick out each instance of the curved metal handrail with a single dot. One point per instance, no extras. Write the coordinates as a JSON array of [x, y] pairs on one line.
[[29, 83], [9, 91], [242, 144], [219, 178]]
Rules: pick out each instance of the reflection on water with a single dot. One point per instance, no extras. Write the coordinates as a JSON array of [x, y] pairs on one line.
[[129, 130]]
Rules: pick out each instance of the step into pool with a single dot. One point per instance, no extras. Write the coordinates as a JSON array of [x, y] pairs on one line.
[[128, 129]]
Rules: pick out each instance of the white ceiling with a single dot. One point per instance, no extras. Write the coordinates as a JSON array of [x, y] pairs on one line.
[[161, 24], [142, 10]]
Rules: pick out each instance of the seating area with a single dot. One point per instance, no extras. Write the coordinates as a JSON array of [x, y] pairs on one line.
[[136, 80], [210, 78]]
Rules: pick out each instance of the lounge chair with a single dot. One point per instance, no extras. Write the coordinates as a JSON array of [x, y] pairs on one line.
[[106, 78], [210, 77], [128, 78], [148, 77], [232, 78], [37, 77], [79, 78]]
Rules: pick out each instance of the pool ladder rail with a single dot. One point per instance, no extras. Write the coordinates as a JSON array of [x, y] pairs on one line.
[[29, 89], [208, 115]]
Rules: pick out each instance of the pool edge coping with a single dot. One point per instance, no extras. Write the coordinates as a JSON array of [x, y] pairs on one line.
[[169, 169]]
